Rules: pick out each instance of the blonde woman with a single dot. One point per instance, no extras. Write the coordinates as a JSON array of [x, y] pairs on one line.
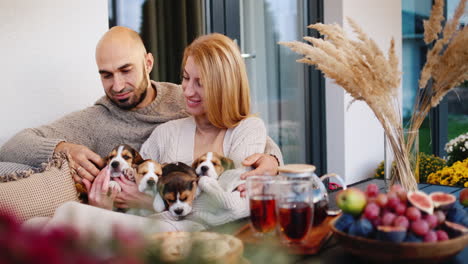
[[217, 97]]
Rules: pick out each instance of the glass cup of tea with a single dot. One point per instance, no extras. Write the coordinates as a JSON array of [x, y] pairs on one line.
[[320, 192], [295, 209], [260, 190]]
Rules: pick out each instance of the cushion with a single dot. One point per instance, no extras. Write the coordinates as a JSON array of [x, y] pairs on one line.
[[37, 192]]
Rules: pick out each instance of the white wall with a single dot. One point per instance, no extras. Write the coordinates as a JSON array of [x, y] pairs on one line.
[[48, 67], [355, 139]]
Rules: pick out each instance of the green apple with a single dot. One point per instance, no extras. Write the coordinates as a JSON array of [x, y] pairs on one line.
[[464, 197], [351, 201]]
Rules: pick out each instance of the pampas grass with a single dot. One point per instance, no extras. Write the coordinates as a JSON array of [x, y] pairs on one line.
[[447, 61], [363, 70]]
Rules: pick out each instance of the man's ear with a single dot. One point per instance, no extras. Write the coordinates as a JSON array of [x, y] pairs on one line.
[[149, 62]]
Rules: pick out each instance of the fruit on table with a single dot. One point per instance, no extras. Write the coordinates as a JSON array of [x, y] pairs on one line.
[[431, 220], [454, 229], [413, 213], [442, 235], [399, 216], [391, 233], [344, 222], [362, 227], [464, 197], [420, 227], [401, 221], [372, 190], [422, 201], [388, 218], [457, 215], [440, 216], [431, 236], [410, 237], [371, 211], [351, 201], [442, 200]]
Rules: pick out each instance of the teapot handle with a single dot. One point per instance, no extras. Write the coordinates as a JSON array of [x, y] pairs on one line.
[[336, 176], [341, 182]]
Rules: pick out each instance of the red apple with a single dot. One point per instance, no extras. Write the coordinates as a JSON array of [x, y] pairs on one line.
[[464, 197]]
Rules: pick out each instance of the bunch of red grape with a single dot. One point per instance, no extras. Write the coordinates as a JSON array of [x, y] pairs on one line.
[[393, 209]]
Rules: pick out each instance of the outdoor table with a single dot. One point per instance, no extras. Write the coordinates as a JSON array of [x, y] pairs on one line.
[[331, 251]]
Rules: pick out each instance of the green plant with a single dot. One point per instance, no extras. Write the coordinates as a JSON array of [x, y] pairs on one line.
[[457, 149]]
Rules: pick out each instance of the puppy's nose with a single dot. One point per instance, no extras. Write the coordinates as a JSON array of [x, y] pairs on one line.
[[204, 168], [114, 164], [151, 182], [179, 211]]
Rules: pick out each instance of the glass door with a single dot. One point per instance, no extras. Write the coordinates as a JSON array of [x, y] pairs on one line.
[[277, 81]]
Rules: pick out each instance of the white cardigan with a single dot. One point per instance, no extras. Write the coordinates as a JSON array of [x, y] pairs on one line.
[[174, 141]]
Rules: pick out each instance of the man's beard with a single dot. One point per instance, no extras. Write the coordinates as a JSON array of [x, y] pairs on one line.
[[131, 102], [136, 99]]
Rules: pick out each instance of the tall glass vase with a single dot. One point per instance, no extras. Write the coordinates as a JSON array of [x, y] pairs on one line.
[[413, 152], [392, 172]]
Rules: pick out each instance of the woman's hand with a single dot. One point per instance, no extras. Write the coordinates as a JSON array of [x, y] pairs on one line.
[[99, 193], [131, 197], [263, 164]]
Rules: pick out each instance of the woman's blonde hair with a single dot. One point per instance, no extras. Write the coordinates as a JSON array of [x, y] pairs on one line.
[[223, 77]]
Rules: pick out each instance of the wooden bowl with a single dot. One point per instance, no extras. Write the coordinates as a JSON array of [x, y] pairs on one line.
[[382, 251]]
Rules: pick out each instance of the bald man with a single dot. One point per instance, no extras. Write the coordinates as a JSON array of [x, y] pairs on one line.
[[133, 106]]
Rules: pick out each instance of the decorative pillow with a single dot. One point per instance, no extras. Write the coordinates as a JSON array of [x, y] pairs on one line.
[[37, 192]]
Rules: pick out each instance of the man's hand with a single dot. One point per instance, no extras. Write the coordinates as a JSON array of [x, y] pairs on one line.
[[99, 193], [86, 163], [263, 164], [131, 197]]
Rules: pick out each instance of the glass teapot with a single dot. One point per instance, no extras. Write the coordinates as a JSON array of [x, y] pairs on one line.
[[320, 192]]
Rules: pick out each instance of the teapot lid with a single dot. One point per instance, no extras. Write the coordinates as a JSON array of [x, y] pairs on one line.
[[296, 168]]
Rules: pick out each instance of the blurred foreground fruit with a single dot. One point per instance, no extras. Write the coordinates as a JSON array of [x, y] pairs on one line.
[[351, 201], [391, 233], [464, 197], [442, 200], [422, 201], [398, 216]]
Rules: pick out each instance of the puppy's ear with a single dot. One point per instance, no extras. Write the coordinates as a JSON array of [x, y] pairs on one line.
[[192, 184], [106, 160], [137, 158], [227, 163], [195, 163]]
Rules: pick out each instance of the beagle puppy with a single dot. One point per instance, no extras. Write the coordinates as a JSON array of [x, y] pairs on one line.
[[122, 160], [146, 177], [212, 164], [177, 188], [209, 167]]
